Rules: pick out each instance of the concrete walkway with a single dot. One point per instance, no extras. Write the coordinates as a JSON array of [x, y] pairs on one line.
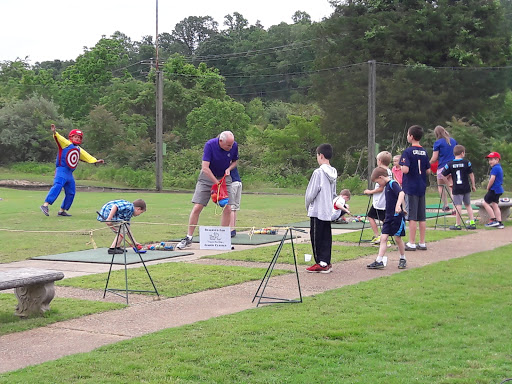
[[146, 315]]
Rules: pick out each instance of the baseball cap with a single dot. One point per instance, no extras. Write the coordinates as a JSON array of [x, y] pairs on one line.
[[495, 155]]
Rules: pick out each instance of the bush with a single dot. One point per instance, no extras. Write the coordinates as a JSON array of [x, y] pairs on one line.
[[353, 183], [33, 167]]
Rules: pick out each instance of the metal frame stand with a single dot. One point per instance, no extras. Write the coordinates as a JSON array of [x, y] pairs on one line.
[[445, 225], [268, 273], [123, 231]]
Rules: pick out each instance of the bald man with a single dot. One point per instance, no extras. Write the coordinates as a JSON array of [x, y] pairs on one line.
[[220, 156]]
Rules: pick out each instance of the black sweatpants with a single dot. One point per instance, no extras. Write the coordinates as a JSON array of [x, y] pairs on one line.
[[321, 240]]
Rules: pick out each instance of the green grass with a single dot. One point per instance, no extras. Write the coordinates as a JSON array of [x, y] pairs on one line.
[[265, 254], [445, 323], [60, 309], [171, 279]]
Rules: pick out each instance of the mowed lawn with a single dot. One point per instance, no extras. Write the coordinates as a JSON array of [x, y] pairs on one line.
[[444, 323], [25, 232]]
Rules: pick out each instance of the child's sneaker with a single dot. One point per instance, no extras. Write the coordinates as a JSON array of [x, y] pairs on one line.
[[375, 240], [402, 264], [455, 227], [376, 265], [471, 226], [500, 225], [317, 268], [492, 224], [185, 242], [45, 210], [410, 247]]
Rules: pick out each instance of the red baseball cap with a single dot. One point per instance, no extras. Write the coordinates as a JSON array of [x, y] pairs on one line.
[[495, 155]]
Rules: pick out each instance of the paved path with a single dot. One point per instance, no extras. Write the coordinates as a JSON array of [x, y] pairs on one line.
[[146, 315]]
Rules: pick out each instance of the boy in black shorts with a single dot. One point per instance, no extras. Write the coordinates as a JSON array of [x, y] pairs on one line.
[[461, 172], [394, 223]]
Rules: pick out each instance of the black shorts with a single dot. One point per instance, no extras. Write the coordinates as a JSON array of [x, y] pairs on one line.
[[492, 197], [394, 226], [377, 214]]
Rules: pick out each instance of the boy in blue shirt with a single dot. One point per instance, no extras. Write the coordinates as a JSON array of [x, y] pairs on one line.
[[494, 191], [415, 167], [120, 210], [394, 222]]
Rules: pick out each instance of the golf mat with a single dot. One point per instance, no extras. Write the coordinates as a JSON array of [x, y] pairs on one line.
[[245, 239], [352, 225], [101, 256], [438, 206]]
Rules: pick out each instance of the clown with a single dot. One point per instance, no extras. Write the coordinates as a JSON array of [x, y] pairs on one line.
[[67, 160]]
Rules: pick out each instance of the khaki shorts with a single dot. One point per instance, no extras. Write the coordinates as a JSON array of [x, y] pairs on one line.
[[236, 188], [203, 189]]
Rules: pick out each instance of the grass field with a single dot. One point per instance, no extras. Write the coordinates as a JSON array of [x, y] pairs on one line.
[[61, 309], [172, 279], [25, 232], [444, 323]]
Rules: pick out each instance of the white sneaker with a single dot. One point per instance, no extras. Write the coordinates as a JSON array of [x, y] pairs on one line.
[[185, 242]]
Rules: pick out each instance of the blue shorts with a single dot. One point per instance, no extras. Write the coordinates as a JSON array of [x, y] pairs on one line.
[[394, 226]]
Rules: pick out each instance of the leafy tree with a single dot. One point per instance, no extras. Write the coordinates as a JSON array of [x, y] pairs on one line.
[[83, 82], [193, 30], [25, 130], [418, 37], [214, 116]]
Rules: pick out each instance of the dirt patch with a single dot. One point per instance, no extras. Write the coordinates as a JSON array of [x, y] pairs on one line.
[[23, 184]]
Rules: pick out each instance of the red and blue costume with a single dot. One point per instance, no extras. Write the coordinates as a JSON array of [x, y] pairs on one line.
[[67, 160]]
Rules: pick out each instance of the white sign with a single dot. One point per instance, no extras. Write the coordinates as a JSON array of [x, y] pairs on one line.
[[215, 238]]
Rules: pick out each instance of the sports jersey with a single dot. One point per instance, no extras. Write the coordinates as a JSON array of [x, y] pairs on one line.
[[218, 158], [415, 181], [391, 190], [460, 169], [497, 186]]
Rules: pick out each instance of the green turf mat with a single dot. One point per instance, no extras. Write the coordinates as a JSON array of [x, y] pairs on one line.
[[305, 224], [245, 239], [430, 215], [439, 206], [101, 256]]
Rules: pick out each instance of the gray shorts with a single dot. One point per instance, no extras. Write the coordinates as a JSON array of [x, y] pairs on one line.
[[236, 187], [459, 199], [416, 208], [203, 189]]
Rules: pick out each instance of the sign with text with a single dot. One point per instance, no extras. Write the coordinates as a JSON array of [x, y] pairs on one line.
[[215, 238]]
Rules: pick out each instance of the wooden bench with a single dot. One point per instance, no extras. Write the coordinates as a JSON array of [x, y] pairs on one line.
[[504, 208], [34, 289]]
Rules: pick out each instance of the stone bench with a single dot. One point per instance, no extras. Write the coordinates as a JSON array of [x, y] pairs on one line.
[[34, 289], [504, 208]]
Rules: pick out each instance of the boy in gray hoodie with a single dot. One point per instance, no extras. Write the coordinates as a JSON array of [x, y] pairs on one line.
[[319, 201]]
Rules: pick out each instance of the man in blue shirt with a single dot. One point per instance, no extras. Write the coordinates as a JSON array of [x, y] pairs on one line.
[[220, 156]]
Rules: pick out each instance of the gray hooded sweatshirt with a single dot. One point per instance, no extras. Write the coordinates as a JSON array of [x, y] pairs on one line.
[[320, 192]]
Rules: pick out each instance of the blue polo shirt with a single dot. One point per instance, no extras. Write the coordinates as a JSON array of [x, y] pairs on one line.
[[219, 159], [415, 182], [445, 151]]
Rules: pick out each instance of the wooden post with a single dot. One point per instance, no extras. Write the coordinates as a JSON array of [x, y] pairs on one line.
[[372, 77]]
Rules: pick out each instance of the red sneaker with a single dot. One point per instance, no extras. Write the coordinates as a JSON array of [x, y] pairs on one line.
[[317, 268]]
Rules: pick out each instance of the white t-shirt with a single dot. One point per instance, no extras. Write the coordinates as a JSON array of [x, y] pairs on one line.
[[379, 199]]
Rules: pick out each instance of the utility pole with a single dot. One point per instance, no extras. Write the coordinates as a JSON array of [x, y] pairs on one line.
[[159, 123], [372, 79]]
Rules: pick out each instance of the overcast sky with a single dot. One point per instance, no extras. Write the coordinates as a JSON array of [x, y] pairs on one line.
[[59, 29]]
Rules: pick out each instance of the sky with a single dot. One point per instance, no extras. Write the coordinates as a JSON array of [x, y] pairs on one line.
[[60, 29]]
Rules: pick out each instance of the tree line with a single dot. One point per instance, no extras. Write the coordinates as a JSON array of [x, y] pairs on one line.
[[282, 90]]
